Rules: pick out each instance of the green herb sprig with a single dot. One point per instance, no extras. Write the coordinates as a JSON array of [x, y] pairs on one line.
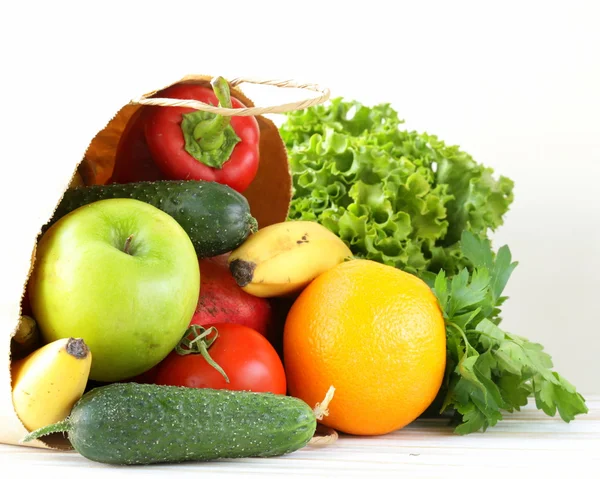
[[489, 370]]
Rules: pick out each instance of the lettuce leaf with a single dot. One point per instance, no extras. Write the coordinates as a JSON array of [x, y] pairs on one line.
[[395, 196]]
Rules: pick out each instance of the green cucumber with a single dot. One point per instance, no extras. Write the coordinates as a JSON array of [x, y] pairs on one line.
[[130, 423], [216, 217]]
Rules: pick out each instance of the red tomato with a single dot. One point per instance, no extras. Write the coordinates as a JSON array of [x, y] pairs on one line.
[[246, 356]]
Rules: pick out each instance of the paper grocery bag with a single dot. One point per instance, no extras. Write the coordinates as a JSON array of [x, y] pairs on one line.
[[268, 195]]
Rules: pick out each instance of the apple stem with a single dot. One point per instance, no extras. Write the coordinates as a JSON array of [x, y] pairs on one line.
[[128, 244]]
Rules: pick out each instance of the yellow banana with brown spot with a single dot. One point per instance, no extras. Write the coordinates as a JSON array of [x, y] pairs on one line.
[[284, 258], [47, 383]]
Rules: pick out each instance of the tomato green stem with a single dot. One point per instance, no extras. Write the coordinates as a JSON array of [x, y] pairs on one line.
[[210, 133], [199, 343]]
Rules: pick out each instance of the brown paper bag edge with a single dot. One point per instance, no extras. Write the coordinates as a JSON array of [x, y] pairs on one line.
[[274, 173]]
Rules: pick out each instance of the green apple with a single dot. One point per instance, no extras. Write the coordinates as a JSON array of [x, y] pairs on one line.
[[121, 274]]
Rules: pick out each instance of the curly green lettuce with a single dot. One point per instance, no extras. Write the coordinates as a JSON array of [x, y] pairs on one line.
[[407, 200], [394, 196]]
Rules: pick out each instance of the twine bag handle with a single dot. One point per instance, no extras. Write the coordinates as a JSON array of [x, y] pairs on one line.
[[248, 111]]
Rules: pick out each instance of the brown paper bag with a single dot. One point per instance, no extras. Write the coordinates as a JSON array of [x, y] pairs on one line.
[[268, 195]]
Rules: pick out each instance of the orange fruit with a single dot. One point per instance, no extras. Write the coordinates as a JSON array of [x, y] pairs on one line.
[[377, 335]]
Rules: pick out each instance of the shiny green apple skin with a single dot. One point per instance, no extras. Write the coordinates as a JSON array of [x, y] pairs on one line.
[[131, 308]]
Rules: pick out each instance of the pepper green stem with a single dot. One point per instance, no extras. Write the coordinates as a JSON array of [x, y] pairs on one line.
[[199, 343], [61, 426], [210, 139], [209, 133]]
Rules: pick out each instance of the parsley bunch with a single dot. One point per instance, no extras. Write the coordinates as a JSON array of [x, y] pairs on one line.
[[489, 370]]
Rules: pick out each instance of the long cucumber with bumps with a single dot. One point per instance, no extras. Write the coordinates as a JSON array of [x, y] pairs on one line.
[[216, 217], [130, 423]]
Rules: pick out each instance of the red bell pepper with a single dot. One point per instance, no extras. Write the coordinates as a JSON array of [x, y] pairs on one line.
[[133, 161], [190, 144]]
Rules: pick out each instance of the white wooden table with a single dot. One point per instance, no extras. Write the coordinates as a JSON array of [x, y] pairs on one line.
[[527, 443]]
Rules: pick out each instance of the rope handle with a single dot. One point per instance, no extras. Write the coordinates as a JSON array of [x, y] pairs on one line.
[[248, 111]]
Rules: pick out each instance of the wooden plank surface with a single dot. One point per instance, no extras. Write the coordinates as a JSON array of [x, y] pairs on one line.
[[527, 443]]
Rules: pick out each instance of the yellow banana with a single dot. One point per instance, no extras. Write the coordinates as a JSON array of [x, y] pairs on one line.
[[26, 337], [283, 258], [47, 383]]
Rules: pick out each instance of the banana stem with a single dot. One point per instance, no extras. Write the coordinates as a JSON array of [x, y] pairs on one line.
[[26, 330], [77, 348], [61, 426], [242, 271]]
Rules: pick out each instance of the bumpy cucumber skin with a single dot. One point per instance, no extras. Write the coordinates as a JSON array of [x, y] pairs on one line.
[[216, 217], [129, 423]]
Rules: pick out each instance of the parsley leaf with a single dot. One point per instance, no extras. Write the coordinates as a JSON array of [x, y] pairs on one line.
[[489, 370]]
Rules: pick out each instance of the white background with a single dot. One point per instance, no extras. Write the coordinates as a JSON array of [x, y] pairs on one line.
[[516, 84]]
